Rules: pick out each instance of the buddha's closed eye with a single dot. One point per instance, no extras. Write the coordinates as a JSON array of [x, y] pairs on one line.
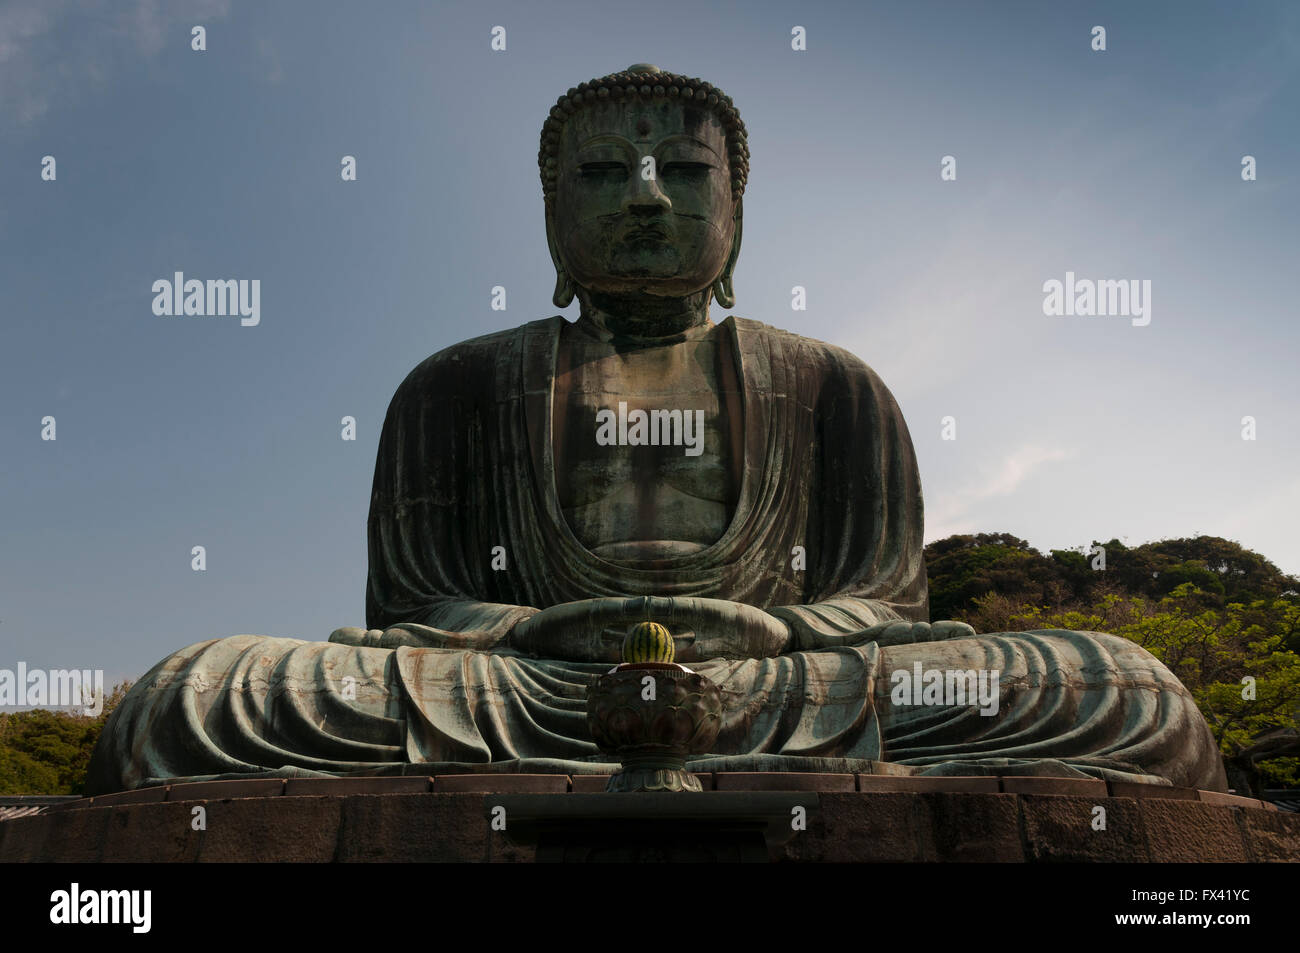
[[686, 169], [602, 170]]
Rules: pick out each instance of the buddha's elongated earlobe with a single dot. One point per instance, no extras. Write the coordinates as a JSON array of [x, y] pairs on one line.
[[723, 291], [563, 296], [564, 290]]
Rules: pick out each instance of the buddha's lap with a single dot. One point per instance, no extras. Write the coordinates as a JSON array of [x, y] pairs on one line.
[[1097, 701], [367, 677]]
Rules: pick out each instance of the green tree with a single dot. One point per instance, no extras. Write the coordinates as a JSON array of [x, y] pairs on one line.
[[48, 752], [1235, 661], [965, 568]]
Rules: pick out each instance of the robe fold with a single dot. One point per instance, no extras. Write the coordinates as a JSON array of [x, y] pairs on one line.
[[465, 476], [466, 464]]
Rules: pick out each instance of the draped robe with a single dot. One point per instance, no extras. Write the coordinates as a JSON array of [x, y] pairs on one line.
[[465, 479]]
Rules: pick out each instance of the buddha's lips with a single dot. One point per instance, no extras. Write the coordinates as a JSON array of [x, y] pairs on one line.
[[640, 233]]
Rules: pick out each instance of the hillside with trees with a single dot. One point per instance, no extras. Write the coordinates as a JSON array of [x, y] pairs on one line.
[[47, 752], [1224, 619]]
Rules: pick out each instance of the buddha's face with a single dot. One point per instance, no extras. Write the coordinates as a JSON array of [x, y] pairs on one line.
[[643, 198]]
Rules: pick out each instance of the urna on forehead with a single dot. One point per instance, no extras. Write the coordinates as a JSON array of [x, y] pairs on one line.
[[644, 84]]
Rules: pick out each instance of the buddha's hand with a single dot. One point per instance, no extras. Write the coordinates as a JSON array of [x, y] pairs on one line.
[[409, 634], [571, 631], [593, 629], [719, 628], [905, 633], [355, 635]]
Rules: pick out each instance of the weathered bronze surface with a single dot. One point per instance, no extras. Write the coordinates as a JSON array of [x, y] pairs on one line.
[[537, 490], [650, 716]]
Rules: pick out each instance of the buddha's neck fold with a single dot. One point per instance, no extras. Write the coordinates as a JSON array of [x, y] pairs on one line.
[[644, 317]]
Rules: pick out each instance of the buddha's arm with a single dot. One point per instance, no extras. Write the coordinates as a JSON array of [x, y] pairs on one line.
[[414, 584], [467, 615], [864, 518], [852, 621], [448, 624], [834, 621], [432, 529]]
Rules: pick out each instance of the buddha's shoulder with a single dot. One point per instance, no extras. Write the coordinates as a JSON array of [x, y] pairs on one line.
[[475, 360], [808, 352]]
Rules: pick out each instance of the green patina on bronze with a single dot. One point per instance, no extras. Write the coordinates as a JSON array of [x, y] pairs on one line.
[[794, 447], [651, 717]]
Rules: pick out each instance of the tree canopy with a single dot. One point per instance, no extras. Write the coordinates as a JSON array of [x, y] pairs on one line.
[[1224, 619], [47, 752]]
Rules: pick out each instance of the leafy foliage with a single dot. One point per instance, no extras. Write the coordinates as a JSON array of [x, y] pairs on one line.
[[1225, 620], [48, 752]]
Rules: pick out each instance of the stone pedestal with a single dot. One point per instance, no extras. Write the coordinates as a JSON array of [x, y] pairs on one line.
[[738, 816], [726, 827]]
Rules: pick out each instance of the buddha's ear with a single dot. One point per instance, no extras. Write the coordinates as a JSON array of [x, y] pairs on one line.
[[722, 288], [563, 296]]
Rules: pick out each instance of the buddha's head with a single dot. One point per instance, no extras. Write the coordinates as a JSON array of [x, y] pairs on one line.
[[642, 174]]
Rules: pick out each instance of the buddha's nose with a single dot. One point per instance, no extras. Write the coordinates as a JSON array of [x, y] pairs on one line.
[[644, 195]]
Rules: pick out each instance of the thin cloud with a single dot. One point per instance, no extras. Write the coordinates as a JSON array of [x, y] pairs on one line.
[[958, 512], [54, 52]]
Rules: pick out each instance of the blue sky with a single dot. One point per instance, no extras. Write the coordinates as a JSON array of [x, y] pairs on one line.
[[175, 432]]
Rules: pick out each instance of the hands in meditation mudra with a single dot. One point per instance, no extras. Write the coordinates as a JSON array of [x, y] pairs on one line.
[[539, 490]]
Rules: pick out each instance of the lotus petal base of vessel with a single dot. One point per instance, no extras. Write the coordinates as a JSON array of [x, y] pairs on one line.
[[651, 715]]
